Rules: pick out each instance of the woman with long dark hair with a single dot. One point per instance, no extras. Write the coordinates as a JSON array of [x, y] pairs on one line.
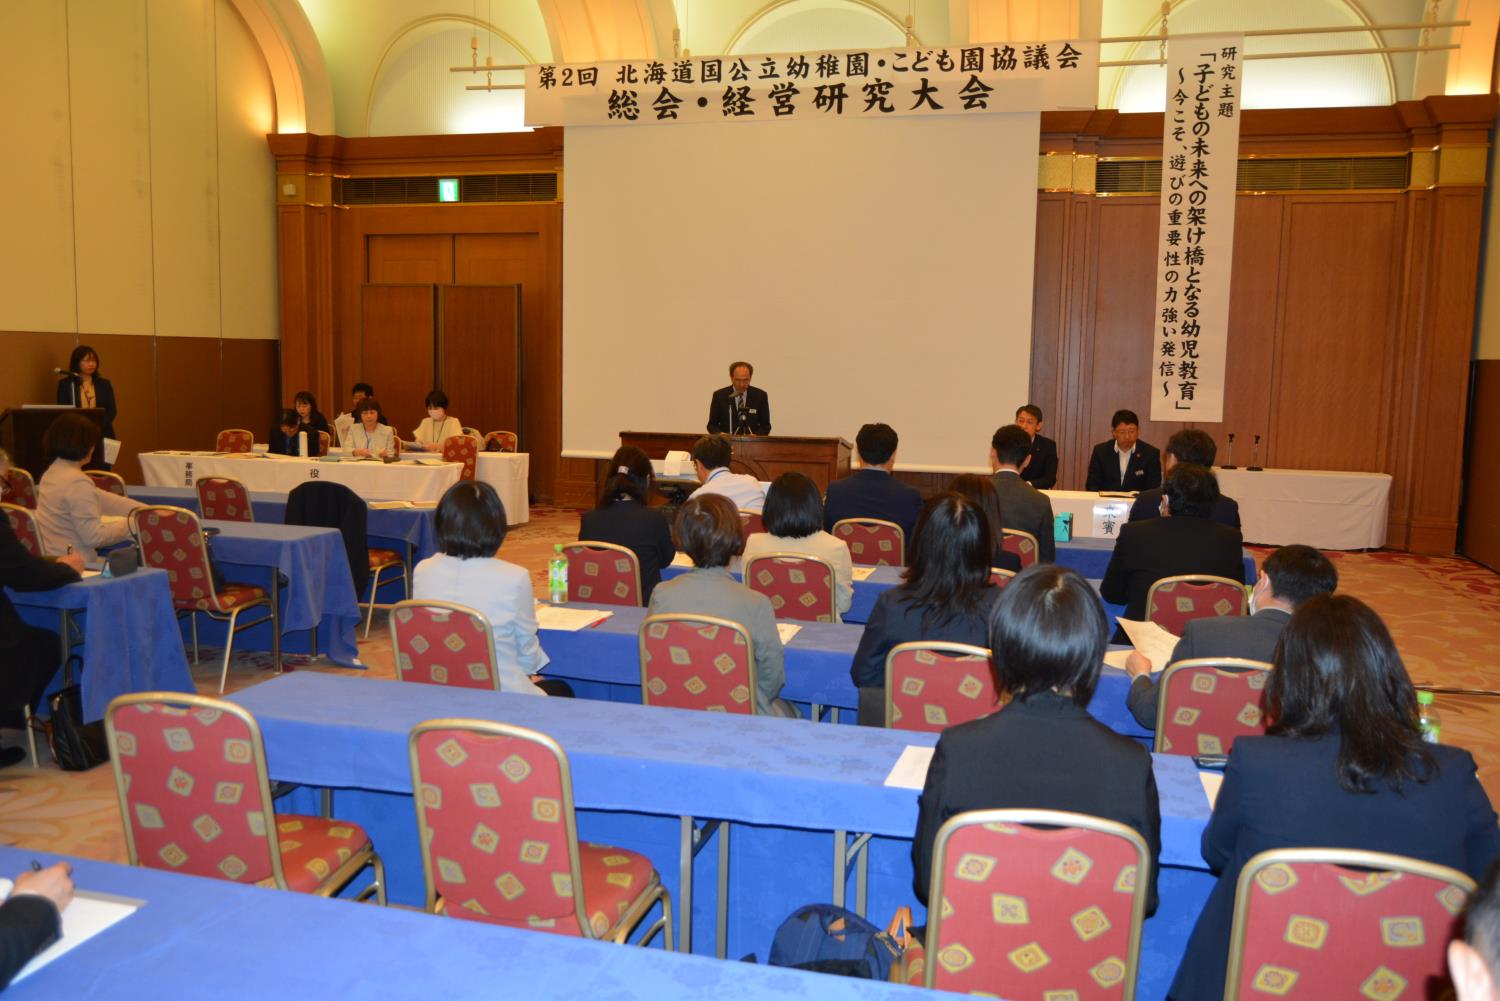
[[1342, 765], [623, 518], [944, 594], [981, 490], [85, 387]]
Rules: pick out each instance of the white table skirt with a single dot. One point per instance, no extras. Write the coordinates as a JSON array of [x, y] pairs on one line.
[[413, 481]]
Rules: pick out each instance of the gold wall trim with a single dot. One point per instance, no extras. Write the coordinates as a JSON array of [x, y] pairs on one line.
[[1462, 166], [1073, 172]]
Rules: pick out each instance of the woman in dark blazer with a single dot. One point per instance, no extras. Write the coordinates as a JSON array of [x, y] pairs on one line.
[[1042, 750], [981, 490], [1342, 765], [945, 594], [85, 387], [623, 518]]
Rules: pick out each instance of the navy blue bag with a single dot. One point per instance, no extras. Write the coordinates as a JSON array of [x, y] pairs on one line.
[[828, 939]]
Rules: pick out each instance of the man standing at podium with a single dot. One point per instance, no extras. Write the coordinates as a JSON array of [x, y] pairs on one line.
[[740, 408]]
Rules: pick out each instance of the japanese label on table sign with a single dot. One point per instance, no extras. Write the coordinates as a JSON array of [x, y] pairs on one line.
[[1108, 517], [854, 83], [1199, 161]]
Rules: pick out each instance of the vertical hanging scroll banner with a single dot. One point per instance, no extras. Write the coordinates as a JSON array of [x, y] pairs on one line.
[[865, 84], [1199, 162]]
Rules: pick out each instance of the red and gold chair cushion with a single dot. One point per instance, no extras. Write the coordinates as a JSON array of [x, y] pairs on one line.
[[234, 440], [440, 645], [608, 575], [19, 489], [501, 441], [1174, 602], [462, 448], [800, 588], [931, 688], [382, 559], [1023, 545], [1000, 578], [223, 499], [171, 540], [872, 542], [23, 524], [692, 663], [612, 880], [1205, 708], [313, 848]]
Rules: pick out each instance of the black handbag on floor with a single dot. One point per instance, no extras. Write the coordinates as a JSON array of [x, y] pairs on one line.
[[76, 746]]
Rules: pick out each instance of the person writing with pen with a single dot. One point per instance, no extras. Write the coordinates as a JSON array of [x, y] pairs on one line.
[[31, 917]]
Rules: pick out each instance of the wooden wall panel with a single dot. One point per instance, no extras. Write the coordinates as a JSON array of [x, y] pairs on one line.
[[247, 375], [398, 326], [1124, 289], [190, 411], [1048, 307], [132, 366], [478, 351], [425, 258], [1480, 539], [1253, 292], [30, 356]]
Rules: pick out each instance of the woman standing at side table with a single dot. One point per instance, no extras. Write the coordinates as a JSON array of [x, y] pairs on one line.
[[85, 387]]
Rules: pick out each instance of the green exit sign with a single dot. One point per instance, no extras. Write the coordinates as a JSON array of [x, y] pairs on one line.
[[447, 189]]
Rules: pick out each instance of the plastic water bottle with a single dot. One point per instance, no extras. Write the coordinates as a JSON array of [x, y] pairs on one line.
[[1428, 720], [557, 576]]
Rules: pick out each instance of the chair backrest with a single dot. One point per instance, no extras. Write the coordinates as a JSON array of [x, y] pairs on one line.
[[751, 522], [443, 643], [502, 441], [27, 531], [223, 499], [190, 774], [604, 573], [474, 433], [1000, 578], [324, 504], [872, 542], [235, 440], [110, 483], [1173, 602], [1022, 544], [1203, 704], [325, 442], [496, 825], [800, 587], [697, 662], [171, 539], [20, 488], [1010, 899], [1337, 923], [934, 685], [462, 448]]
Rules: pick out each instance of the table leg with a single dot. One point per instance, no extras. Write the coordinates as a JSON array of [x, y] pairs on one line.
[[685, 886], [63, 621], [840, 865], [721, 927]]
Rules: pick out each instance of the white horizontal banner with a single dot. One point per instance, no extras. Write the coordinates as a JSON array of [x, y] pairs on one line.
[[853, 83]]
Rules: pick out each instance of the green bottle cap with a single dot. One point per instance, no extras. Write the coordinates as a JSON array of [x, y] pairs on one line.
[[1424, 698], [557, 547]]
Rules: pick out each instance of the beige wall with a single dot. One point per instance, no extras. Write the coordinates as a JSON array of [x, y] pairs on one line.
[[142, 199]]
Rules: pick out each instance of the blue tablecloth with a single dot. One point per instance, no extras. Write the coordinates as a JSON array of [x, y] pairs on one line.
[[318, 591], [206, 938], [409, 530], [130, 638]]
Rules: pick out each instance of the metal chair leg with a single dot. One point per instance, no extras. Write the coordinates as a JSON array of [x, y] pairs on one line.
[[275, 633], [234, 614], [28, 722], [193, 618], [374, 593]]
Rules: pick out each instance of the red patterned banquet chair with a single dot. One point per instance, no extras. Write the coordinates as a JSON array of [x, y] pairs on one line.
[[235, 440], [932, 685], [170, 539], [27, 531], [442, 643], [19, 488], [1338, 923], [751, 523], [872, 542], [697, 662], [603, 573], [325, 442], [500, 842], [1000, 578], [1173, 602], [223, 499], [384, 561], [502, 441], [800, 587], [462, 448], [1203, 704], [110, 483], [190, 774], [1032, 912], [1023, 545]]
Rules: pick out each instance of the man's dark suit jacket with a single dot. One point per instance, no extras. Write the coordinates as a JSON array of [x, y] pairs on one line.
[[642, 530], [722, 416], [1043, 753], [1148, 505], [1143, 472], [1026, 509], [873, 493], [1147, 551], [1041, 471], [1252, 637], [27, 923], [1283, 792], [29, 654]]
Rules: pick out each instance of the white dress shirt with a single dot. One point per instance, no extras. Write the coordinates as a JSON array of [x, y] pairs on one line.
[[820, 544], [502, 592], [74, 514], [433, 434], [745, 491], [1124, 458]]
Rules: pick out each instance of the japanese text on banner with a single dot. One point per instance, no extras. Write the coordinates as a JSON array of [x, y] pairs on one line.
[[871, 83], [1199, 163]]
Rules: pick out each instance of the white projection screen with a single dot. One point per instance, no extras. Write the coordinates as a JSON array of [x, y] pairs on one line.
[[871, 271]]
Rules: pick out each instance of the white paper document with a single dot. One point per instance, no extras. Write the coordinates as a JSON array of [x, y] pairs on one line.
[[567, 619], [863, 573], [910, 770], [1211, 782], [1151, 640], [88, 915], [111, 450], [1117, 658], [787, 630]]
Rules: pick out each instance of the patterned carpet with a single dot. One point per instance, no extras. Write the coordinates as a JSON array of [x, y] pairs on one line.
[[1444, 613]]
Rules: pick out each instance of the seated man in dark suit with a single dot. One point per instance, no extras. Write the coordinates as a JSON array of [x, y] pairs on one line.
[[1041, 470], [1023, 507], [1197, 447], [739, 408], [1186, 541], [871, 491], [1124, 462], [1289, 576]]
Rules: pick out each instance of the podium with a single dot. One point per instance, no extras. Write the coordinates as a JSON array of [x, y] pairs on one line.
[[22, 430], [822, 459]]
